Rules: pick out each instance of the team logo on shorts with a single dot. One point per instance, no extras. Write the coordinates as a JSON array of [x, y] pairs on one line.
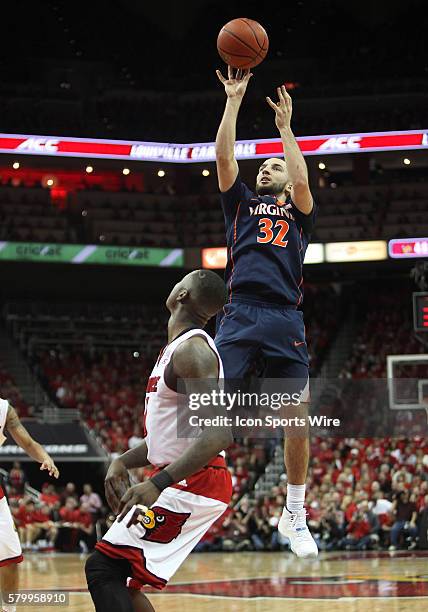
[[162, 525]]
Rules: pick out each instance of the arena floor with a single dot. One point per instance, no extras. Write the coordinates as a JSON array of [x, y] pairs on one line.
[[259, 582]]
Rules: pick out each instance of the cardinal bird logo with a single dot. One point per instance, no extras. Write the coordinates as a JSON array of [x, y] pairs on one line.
[[162, 525]]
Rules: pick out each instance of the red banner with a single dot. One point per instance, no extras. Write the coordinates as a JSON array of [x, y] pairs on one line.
[[199, 152]]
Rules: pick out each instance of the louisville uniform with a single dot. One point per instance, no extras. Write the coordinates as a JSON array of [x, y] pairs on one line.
[[183, 513], [10, 546], [266, 243]]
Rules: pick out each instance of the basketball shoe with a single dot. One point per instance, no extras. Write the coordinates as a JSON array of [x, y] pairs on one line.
[[293, 526]]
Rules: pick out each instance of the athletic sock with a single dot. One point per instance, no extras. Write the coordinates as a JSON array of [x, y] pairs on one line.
[[8, 607], [295, 497]]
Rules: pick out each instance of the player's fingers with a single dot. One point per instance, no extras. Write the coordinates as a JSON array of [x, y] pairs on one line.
[[239, 74], [280, 96], [285, 92], [134, 518], [220, 76], [229, 73], [271, 104], [126, 509]]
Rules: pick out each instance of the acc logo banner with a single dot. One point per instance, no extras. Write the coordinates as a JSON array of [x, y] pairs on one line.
[[38, 145], [341, 143]]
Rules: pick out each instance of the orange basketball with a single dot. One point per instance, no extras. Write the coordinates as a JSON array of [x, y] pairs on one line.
[[242, 43]]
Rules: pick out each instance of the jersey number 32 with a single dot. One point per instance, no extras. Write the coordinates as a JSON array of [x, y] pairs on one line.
[[267, 234]]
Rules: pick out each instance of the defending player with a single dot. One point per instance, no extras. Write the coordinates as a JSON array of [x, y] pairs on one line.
[[162, 519], [10, 546], [267, 235]]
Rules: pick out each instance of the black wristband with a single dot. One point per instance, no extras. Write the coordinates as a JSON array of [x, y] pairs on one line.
[[162, 480]]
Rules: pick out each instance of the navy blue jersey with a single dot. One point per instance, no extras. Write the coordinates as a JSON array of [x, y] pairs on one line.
[[266, 245]]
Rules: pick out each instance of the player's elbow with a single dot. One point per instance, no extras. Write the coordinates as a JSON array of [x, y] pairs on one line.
[[225, 439]]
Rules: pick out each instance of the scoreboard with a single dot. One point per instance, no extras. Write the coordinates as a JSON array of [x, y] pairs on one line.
[[420, 311]]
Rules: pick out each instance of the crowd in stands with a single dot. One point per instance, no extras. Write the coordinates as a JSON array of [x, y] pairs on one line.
[[347, 212], [59, 518], [9, 390]]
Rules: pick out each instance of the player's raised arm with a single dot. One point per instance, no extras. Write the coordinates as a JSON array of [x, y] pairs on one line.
[[28, 444], [193, 360], [235, 87], [296, 165]]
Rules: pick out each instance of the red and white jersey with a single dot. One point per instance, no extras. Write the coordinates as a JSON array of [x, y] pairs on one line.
[[4, 407], [160, 414]]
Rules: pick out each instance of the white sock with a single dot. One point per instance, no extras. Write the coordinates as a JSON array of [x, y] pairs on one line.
[[9, 608], [295, 497]]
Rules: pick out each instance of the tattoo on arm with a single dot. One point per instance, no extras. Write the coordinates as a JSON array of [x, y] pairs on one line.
[[12, 420]]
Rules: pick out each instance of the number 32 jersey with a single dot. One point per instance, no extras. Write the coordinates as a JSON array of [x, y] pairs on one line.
[[266, 245]]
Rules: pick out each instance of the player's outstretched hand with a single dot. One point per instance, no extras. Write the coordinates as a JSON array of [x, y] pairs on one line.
[[283, 108], [116, 483], [235, 85], [50, 466], [144, 494]]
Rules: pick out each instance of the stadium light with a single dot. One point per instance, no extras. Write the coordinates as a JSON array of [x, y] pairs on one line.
[[205, 172], [89, 169], [136, 354], [406, 161], [126, 171], [161, 173], [321, 166], [49, 182], [15, 165]]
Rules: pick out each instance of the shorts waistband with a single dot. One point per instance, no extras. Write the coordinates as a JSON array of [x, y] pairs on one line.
[[252, 302], [218, 462]]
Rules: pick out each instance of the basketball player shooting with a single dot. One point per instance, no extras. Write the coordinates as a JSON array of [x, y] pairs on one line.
[[162, 519], [10, 546], [267, 235]]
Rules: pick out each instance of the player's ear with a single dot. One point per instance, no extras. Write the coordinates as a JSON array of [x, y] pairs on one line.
[[182, 296]]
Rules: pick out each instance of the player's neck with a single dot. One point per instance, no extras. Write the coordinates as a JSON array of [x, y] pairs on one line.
[[180, 322]]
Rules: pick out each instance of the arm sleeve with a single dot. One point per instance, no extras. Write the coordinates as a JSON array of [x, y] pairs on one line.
[[306, 222], [231, 198]]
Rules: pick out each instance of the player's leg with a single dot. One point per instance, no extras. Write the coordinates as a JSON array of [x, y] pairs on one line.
[[237, 339], [10, 555], [9, 584], [286, 355], [140, 601], [106, 580]]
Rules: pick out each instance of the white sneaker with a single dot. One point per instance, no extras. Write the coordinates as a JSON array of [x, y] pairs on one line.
[[293, 526]]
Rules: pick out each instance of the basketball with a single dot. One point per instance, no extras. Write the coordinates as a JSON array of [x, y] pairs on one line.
[[242, 43]]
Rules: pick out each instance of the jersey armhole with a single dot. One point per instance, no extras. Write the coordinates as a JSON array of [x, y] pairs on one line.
[[169, 376]]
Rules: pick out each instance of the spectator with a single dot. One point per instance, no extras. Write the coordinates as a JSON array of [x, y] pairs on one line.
[[405, 512], [17, 477], [91, 500]]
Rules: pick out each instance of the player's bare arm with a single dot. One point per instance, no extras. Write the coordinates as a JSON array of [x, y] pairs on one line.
[[235, 88], [28, 444], [192, 360], [296, 165], [117, 479]]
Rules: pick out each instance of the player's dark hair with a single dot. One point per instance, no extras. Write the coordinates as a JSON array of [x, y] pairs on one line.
[[210, 290]]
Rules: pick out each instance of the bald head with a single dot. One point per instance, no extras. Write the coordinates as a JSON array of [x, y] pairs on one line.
[[200, 291], [272, 178]]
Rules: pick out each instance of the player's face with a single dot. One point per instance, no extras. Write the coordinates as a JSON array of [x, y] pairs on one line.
[[272, 178], [181, 287]]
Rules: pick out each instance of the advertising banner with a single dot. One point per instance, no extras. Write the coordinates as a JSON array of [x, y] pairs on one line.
[[63, 441], [90, 254]]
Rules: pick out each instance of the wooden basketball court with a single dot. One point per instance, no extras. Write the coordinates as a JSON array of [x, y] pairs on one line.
[[261, 582]]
